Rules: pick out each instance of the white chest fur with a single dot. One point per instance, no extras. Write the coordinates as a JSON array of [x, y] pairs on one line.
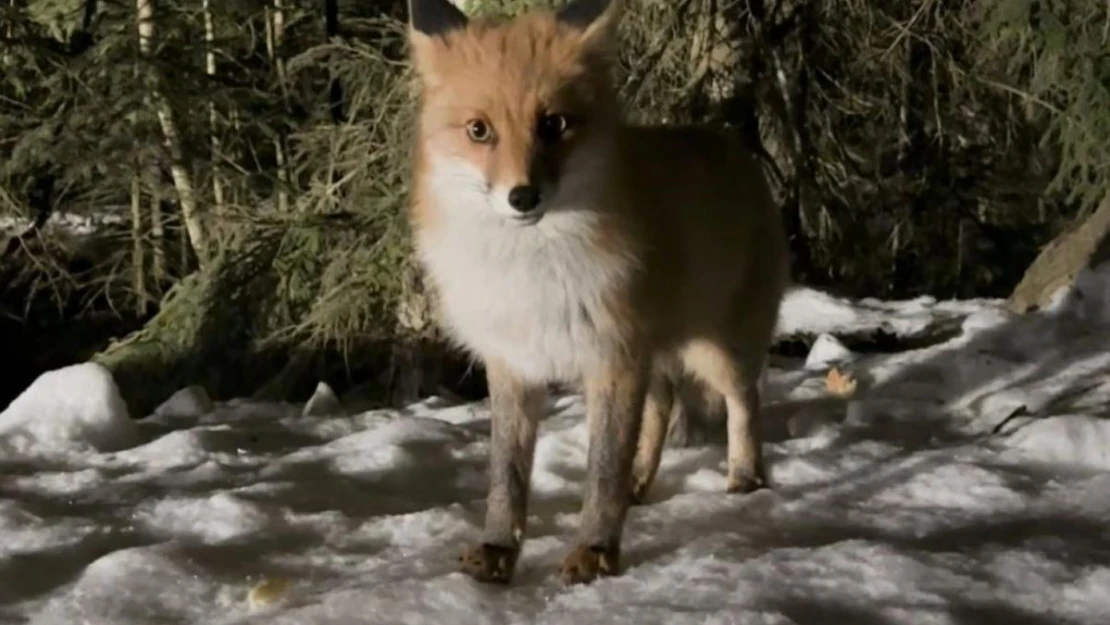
[[532, 297]]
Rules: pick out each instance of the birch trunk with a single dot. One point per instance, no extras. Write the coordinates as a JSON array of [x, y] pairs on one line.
[[275, 27], [182, 180], [138, 261], [157, 234], [213, 119]]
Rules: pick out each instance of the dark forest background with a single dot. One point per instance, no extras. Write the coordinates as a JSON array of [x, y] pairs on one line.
[[211, 191]]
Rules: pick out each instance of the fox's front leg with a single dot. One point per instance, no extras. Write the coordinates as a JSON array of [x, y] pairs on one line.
[[516, 408], [614, 406]]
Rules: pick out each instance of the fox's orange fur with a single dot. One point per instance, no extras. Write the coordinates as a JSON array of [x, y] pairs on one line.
[[644, 253]]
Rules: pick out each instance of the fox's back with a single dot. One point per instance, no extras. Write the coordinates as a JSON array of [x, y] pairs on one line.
[[711, 232]]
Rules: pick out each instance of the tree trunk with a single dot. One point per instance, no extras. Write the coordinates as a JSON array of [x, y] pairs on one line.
[[1084, 244], [213, 118], [182, 180], [335, 88], [275, 27], [157, 233], [138, 261], [9, 33]]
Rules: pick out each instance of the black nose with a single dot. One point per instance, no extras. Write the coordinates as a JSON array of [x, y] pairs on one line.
[[524, 198]]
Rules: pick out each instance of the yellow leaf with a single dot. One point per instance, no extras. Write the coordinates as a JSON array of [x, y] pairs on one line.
[[840, 383], [267, 592]]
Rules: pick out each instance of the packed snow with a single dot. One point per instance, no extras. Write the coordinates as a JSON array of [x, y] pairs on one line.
[[963, 482]]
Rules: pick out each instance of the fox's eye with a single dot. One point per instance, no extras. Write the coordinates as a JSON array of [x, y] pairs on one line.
[[478, 131], [552, 127]]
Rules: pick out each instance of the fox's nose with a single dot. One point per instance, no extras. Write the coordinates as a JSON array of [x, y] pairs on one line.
[[524, 198]]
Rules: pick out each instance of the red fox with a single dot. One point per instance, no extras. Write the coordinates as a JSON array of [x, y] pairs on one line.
[[563, 244]]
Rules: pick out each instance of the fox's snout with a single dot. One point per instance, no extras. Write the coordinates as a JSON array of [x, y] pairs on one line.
[[524, 198], [522, 203], [521, 167]]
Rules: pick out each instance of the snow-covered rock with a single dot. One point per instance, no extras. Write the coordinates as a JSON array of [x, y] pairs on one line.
[[827, 351], [324, 402], [74, 408], [189, 402]]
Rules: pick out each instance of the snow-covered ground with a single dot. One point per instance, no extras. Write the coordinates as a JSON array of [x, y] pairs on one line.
[[962, 483]]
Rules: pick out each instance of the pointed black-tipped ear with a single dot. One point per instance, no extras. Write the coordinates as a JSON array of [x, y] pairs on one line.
[[583, 13], [435, 17]]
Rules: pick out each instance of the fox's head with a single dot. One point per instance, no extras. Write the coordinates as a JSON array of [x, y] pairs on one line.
[[516, 116]]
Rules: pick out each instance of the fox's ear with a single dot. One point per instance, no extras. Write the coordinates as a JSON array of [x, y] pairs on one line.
[[597, 19], [429, 22], [435, 17]]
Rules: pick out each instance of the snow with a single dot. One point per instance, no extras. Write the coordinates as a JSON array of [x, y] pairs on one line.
[[72, 224], [961, 483], [809, 311]]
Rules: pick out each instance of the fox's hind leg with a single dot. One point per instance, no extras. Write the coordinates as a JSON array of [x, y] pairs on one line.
[[516, 410], [746, 470], [653, 433], [737, 380]]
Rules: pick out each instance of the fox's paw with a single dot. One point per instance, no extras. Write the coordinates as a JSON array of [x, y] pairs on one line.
[[584, 564], [743, 482], [492, 564], [638, 496]]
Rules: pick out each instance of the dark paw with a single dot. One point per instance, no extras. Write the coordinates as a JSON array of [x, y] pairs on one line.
[[492, 564], [743, 484], [585, 564]]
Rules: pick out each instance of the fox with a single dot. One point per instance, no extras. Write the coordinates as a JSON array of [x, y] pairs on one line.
[[562, 244]]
